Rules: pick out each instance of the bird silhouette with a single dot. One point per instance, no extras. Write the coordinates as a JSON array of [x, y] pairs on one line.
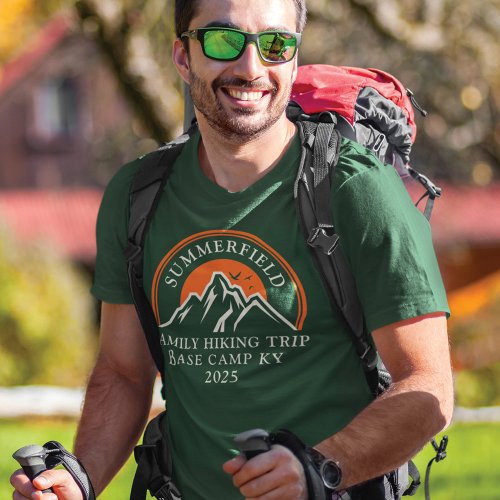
[[235, 277]]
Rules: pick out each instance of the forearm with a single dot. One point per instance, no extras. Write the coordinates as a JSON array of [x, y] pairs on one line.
[[114, 414], [392, 429]]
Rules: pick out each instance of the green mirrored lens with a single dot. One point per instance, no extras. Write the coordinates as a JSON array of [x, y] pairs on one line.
[[277, 47], [223, 44]]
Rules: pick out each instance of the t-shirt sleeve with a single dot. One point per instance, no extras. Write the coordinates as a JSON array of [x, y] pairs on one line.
[[110, 278], [387, 241]]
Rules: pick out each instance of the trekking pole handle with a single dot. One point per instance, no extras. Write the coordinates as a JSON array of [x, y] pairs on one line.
[[32, 459], [253, 442]]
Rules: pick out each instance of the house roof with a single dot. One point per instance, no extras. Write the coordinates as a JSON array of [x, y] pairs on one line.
[[64, 218], [67, 217], [465, 214], [46, 40]]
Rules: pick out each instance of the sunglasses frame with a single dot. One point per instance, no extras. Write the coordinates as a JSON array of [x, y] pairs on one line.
[[199, 34]]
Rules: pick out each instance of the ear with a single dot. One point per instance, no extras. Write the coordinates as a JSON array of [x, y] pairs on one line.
[[181, 60]]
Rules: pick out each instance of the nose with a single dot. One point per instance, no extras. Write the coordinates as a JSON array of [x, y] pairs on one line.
[[249, 66]]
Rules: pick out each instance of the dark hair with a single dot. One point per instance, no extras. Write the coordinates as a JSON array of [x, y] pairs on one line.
[[185, 10]]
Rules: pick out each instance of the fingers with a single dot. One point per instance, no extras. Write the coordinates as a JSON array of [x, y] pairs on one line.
[[22, 485], [274, 474], [62, 483], [234, 465]]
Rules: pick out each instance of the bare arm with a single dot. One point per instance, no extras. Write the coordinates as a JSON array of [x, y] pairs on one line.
[[419, 404], [116, 408], [118, 397]]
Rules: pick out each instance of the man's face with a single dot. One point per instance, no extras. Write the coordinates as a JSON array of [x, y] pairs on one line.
[[241, 99]]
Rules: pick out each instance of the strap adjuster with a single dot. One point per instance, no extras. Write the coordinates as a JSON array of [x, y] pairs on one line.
[[132, 251], [320, 239], [430, 187], [369, 357], [168, 491]]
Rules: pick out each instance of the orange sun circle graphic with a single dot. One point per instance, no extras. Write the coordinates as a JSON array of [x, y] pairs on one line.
[[237, 274]]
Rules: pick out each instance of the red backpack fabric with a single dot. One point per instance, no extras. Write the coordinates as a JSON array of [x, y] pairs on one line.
[[370, 106], [320, 86], [373, 107]]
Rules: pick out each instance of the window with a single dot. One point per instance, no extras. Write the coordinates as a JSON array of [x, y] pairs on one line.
[[56, 109]]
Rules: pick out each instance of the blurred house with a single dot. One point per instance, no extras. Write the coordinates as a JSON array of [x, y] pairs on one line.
[[64, 128], [63, 219], [62, 118], [466, 232]]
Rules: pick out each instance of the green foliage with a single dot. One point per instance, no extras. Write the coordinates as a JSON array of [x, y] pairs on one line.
[[479, 387], [46, 319]]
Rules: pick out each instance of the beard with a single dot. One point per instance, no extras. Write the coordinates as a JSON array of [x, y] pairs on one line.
[[238, 124]]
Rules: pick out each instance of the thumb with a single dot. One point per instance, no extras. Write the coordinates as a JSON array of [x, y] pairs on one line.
[[61, 482]]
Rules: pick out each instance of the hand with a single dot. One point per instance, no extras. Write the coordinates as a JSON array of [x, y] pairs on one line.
[[61, 482], [274, 475]]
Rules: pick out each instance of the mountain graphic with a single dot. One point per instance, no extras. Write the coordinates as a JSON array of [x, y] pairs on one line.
[[224, 307]]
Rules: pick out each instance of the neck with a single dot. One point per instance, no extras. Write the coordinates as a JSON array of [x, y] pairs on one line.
[[236, 166]]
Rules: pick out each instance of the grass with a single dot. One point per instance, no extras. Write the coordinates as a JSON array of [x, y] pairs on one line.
[[470, 471], [15, 434]]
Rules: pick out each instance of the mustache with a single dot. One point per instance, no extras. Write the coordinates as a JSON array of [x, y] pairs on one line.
[[244, 84]]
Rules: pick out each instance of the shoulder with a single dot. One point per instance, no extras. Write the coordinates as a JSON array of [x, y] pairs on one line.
[[356, 160], [365, 187], [115, 201], [123, 177], [360, 174]]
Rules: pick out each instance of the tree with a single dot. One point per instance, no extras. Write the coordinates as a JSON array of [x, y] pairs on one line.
[[442, 49], [19, 20], [135, 36]]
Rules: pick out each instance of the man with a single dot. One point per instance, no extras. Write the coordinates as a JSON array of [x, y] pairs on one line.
[[249, 336]]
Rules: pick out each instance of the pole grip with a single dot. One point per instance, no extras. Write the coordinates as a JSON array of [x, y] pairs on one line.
[[32, 460], [253, 442]]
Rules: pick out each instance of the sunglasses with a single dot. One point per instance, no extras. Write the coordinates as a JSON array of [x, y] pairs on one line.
[[228, 44]]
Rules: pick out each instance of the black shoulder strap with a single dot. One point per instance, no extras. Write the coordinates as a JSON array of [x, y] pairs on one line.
[[144, 196], [320, 152], [154, 465]]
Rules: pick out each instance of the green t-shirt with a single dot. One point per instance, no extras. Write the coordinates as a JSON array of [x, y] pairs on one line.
[[248, 333]]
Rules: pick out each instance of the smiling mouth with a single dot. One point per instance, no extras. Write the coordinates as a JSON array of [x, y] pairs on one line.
[[245, 95]]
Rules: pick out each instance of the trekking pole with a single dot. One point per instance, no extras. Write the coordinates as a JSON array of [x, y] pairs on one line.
[[253, 442], [32, 459]]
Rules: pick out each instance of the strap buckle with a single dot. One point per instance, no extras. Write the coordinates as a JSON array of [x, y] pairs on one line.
[[320, 239], [430, 187], [168, 491]]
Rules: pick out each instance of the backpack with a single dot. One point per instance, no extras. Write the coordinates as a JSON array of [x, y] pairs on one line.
[[327, 102]]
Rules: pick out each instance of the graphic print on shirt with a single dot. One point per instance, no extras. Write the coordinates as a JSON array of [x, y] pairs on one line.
[[226, 299]]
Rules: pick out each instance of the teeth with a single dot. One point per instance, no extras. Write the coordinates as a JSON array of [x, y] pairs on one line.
[[245, 96]]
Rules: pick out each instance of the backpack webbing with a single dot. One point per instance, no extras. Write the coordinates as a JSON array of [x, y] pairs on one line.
[[320, 153], [145, 193]]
